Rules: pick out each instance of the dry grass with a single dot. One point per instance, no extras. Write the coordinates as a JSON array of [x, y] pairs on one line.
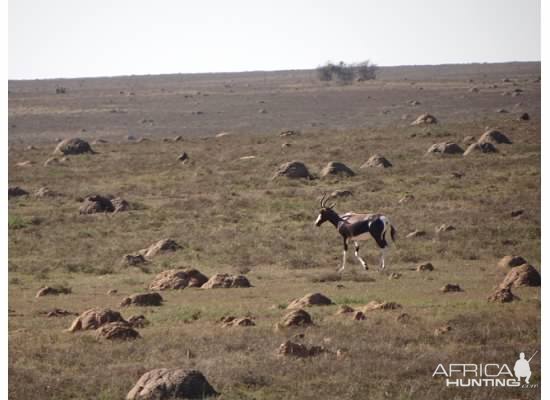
[[230, 216]]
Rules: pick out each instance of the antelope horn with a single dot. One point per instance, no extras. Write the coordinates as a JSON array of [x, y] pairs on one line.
[[323, 199], [332, 205]]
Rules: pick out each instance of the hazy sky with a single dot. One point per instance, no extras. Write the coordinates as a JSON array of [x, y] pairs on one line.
[[75, 38]]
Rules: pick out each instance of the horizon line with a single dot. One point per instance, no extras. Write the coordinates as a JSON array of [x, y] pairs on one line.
[[260, 71]]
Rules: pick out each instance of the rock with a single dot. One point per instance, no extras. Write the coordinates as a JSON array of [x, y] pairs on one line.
[[223, 134], [425, 119], [45, 192], [442, 330], [52, 161], [120, 204], [262, 111], [406, 198], [334, 168], [502, 295], [416, 234], [457, 175], [226, 281], [27, 163], [133, 260], [473, 90], [359, 316], [403, 318], [524, 117], [524, 275], [508, 262], [296, 318], [138, 321], [231, 321], [160, 247], [94, 318], [168, 384], [289, 348], [445, 148], [73, 146], [48, 291], [342, 353], [345, 309], [96, 204], [414, 102], [289, 133], [142, 299], [376, 305], [112, 292], [337, 194], [425, 267], [495, 137], [481, 148], [178, 279], [16, 191], [394, 275], [293, 170], [444, 228], [57, 312], [312, 299], [449, 287], [517, 213], [377, 161], [117, 331], [502, 111], [183, 157]]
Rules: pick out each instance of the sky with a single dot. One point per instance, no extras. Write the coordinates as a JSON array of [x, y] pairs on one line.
[[81, 38]]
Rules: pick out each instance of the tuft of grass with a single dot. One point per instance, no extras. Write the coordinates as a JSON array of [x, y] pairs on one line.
[[16, 222]]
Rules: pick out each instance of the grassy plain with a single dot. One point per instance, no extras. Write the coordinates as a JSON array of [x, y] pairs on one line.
[[230, 216]]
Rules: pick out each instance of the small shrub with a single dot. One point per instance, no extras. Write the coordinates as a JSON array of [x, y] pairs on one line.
[[366, 70], [346, 73], [16, 222], [324, 73]]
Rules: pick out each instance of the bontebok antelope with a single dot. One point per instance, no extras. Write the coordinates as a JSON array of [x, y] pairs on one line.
[[357, 227]]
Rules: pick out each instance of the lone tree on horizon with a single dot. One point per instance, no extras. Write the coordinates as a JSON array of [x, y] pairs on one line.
[[346, 73]]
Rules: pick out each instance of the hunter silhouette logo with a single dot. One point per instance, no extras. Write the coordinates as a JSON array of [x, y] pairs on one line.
[[490, 374], [522, 368]]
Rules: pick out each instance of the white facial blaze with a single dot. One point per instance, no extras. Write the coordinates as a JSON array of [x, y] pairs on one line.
[[318, 219]]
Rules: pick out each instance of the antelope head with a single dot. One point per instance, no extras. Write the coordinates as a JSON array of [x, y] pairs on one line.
[[325, 211]]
